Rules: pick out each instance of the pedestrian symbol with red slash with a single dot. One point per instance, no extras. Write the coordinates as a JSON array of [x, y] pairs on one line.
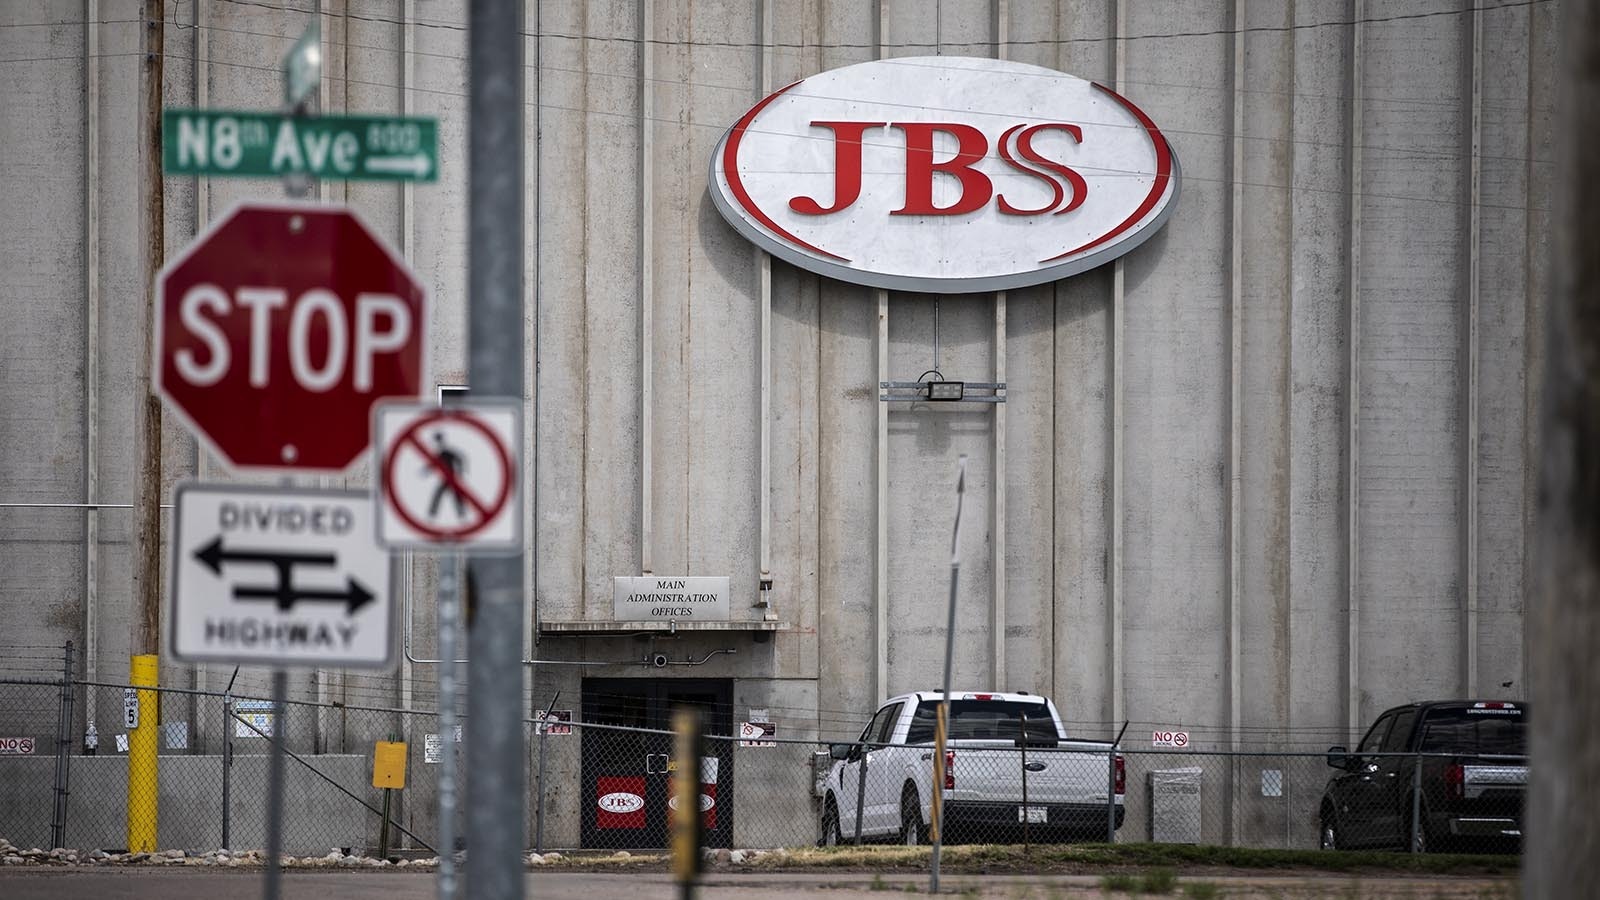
[[450, 476]]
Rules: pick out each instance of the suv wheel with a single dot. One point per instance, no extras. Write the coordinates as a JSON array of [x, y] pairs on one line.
[[912, 832], [830, 824], [1330, 833]]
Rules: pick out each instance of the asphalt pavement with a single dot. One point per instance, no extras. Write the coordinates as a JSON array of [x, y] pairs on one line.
[[192, 884]]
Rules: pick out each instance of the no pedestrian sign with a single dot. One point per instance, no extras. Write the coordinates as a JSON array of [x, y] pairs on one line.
[[450, 476]]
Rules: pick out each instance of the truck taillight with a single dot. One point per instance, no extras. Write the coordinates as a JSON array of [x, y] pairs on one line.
[[1122, 775], [1455, 781], [949, 770]]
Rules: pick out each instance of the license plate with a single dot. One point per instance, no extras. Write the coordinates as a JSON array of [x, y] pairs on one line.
[[1033, 814]]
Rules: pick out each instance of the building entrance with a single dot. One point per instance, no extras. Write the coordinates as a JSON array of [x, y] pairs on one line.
[[626, 773]]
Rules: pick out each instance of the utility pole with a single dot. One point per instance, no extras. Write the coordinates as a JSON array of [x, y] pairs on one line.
[[496, 802], [1563, 854], [144, 621], [144, 625]]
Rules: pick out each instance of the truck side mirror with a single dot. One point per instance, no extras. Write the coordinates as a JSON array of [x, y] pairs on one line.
[[840, 751], [1339, 758]]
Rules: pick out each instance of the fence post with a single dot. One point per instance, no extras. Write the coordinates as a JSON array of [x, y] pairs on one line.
[[58, 822], [227, 765], [1111, 794], [861, 789], [538, 813], [1416, 800]]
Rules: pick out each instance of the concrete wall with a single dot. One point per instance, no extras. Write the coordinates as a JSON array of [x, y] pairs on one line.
[[1260, 479], [316, 816]]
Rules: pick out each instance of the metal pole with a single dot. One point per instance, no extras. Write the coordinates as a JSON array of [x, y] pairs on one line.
[[942, 724], [861, 787], [227, 766], [496, 797], [383, 830], [1111, 794], [1416, 800], [58, 823], [1027, 814], [280, 690], [544, 731], [446, 608]]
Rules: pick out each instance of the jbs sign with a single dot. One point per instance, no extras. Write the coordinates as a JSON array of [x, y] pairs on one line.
[[945, 174]]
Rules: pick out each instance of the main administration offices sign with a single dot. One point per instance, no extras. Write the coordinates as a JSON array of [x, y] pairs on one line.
[[945, 174], [662, 598]]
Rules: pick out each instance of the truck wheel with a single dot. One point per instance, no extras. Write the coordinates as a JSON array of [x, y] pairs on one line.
[[912, 832], [1330, 833], [830, 824]]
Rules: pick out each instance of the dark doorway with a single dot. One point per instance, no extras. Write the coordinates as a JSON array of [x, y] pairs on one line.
[[626, 778]]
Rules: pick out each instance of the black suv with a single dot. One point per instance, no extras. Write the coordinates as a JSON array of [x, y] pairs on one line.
[[1431, 776]]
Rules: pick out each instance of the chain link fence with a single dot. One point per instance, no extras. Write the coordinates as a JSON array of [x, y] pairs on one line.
[[607, 787]]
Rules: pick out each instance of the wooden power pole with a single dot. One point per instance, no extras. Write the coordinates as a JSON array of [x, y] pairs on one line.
[[1563, 852], [144, 631]]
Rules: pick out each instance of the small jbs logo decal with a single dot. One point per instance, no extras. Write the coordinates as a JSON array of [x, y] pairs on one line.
[[620, 802], [945, 174]]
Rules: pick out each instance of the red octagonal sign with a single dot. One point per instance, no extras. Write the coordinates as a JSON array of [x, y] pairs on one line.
[[280, 327]]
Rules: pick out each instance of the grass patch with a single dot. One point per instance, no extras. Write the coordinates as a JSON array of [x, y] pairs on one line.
[[1121, 882], [1158, 881], [1200, 890]]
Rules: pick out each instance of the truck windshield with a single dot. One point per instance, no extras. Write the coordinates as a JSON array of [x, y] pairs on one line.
[[1496, 731], [999, 720]]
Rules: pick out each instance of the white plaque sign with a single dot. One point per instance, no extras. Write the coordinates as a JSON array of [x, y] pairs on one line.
[[659, 598]]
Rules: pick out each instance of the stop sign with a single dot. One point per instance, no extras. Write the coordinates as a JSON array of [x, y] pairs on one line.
[[280, 327]]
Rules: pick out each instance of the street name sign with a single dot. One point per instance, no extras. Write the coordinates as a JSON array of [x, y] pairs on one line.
[[279, 329], [261, 144], [280, 577], [450, 476]]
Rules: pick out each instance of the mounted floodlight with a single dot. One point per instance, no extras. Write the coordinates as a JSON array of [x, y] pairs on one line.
[[946, 390]]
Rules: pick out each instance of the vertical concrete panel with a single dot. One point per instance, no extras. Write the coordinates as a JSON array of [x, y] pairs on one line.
[[717, 286], [924, 443], [41, 306], [1264, 419], [1412, 300], [564, 343], [1318, 243], [1504, 351], [609, 217], [1177, 389], [847, 409]]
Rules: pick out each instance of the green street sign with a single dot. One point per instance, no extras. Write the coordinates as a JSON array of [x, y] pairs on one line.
[[242, 144]]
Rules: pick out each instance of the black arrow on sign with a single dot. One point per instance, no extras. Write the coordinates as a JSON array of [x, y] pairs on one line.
[[354, 595], [213, 555]]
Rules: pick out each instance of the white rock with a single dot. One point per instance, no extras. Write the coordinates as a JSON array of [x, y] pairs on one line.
[[535, 859], [553, 857], [736, 857]]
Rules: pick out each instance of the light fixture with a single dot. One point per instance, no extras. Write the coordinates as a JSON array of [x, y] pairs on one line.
[[946, 390]]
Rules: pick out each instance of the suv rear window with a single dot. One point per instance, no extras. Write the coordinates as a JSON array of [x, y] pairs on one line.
[[999, 720], [1468, 730]]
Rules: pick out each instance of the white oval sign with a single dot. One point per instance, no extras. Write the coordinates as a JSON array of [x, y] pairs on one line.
[[621, 802], [945, 174], [706, 802]]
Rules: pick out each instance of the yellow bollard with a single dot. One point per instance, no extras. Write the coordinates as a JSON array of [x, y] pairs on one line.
[[142, 782]]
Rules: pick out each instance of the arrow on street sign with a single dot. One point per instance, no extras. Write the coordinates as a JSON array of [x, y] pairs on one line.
[[213, 555], [353, 595], [416, 166]]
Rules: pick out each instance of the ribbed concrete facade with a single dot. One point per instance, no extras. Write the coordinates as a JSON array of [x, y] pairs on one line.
[[1263, 477]]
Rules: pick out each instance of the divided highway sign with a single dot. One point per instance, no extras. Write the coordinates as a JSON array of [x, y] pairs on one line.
[[276, 576]]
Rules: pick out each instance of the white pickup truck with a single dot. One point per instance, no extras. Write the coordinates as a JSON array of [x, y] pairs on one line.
[[1010, 772]]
